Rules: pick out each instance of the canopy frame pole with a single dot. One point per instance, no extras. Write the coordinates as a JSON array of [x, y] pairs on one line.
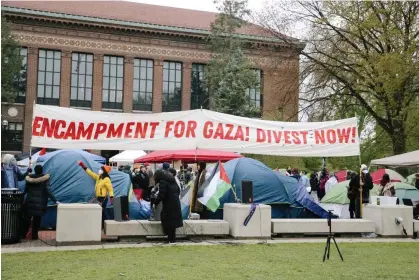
[[360, 187]]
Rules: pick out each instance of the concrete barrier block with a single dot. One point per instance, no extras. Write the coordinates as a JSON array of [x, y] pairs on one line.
[[416, 228], [384, 217], [78, 222], [259, 225], [205, 227], [319, 226]]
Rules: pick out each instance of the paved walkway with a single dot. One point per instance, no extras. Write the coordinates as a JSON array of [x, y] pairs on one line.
[[27, 246]]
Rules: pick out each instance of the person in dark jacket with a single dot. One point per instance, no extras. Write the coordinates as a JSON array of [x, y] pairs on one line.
[[314, 184], [324, 177], [171, 216], [37, 193], [367, 185], [417, 181], [141, 182]]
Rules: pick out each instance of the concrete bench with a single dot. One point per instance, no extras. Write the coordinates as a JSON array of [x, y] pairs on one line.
[[416, 228], [319, 226], [143, 228]]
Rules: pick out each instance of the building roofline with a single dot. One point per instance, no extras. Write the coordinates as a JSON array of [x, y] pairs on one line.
[[199, 32]]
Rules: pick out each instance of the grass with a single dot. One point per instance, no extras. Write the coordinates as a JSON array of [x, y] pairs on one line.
[[279, 261]]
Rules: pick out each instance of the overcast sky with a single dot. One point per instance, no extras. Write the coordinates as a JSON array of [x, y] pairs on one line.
[[202, 5]]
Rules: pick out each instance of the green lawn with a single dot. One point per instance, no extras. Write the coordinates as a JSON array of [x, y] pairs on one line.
[[280, 261]]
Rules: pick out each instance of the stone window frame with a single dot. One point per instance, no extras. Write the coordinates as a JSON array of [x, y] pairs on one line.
[[199, 94], [147, 80], [172, 86], [81, 84], [114, 101], [255, 94], [12, 138], [20, 80], [49, 77]]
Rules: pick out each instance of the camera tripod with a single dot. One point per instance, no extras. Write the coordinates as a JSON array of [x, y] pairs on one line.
[[329, 237]]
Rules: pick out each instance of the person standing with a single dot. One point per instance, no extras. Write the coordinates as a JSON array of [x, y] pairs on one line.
[[103, 186], [314, 184], [324, 177], [172, 171], [197, 206], [331, 182], [36, 201], [365, 179], [386, 188], [10, 173], [141, 183], [168, 195]]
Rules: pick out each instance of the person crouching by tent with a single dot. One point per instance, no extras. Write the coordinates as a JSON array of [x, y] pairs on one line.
[[141, 183], [103, 186], [386, 188], [37, 193], [168, 195]]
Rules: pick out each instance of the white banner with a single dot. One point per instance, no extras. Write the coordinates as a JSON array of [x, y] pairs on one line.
[[66, 128]]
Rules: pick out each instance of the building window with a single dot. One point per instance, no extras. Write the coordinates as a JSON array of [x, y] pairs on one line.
[[81, 80], [143, 85], [19, 82], [12, 137], [113, 82], [255, 93], [199, 94], [172, 86], [49, 75]]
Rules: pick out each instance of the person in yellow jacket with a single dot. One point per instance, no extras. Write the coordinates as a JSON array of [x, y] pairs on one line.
[[103, 186]]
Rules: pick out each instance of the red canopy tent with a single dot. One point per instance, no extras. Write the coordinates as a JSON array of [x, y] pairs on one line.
[[195, 155]]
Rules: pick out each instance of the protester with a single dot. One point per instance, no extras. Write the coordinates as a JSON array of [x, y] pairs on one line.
[[166, 166], [168, 195], [331, 182], [127, 170], [305, 181], [367, 185], [150, 175], [353, 193], [36, 201], [197, 207], [10, 173], [173, 172], [140, 184], [314, 184], [103, 186], [386, 188], [184, 175], [324, 177]]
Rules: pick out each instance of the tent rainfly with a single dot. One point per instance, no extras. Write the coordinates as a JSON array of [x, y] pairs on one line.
[[407, 159], [127, 157]]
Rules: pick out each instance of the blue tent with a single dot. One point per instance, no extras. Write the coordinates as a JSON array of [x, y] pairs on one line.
[[71, 184], [287, 198], [85, 154]]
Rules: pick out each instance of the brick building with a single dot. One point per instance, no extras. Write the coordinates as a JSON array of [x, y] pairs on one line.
[[130, 57]]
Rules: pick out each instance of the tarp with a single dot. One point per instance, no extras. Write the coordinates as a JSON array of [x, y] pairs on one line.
[[127, 156], [394, 176], [71, 184], [269, 187], [84, 154], [63, 128], [407, 159], [195, 155], [338, 194]]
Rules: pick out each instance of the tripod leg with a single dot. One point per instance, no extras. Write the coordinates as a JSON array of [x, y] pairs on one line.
[[325, 249], [328, 250], [337, 247]]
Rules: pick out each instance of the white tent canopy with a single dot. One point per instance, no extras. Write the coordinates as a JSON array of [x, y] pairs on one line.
[[407, 159], [127, 156]]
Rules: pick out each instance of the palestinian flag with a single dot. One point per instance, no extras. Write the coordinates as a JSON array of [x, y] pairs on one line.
[[214, 188]]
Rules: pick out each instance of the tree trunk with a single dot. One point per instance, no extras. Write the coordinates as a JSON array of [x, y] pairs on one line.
[[398, 138]]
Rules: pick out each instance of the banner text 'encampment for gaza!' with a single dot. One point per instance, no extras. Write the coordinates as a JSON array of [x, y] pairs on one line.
[[71, 130]]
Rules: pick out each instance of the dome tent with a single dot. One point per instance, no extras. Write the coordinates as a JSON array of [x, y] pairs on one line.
[[337, 200], [282, 193], [71, 184]]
